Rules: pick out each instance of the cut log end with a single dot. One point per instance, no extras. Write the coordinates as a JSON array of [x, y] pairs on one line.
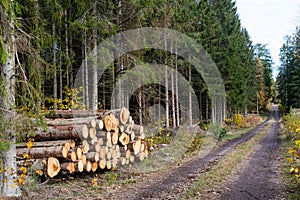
[[53, 167]]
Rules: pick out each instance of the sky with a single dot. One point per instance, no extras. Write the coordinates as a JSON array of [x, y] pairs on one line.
[[268, 21]]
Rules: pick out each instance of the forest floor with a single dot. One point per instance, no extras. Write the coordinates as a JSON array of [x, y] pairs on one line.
[[247, 167]]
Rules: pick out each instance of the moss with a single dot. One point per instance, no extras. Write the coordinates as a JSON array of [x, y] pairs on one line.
[[3, 54]]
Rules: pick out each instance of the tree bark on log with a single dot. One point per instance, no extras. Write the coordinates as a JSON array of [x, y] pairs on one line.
[[62, 133], [43, 152], [68, 167], [74, 113], [46, 144]]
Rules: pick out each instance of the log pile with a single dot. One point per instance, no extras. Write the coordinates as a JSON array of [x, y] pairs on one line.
[[78, 141]]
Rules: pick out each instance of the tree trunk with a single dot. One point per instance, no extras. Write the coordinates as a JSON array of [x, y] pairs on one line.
[[95, 62], [60, 69], [190, 97], [8, 73], [167, 88], [54, 65], [86, 72], [67, 47], [176, 87]]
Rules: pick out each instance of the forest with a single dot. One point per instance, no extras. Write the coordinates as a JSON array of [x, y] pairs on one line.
[[45, 45]]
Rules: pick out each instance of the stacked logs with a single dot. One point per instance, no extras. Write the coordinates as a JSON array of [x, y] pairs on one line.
[[77, 141]]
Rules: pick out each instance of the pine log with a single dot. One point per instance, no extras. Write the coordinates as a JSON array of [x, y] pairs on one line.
[[102, 153], [92, 132], [43, 152], [128, 128], [118, 151], [25, 163], [130, 120], [61, 132], [85, 147], [53, 167], [46, 144], [110, 122], [108, 164], [102, 163], [72, 114], [108, 155], [68, 146], [95, 147], [88, 166], [94, 166], [68, 167], [135, 146], [108, 139], [93, 156], [91, 121], [78, 152], [123, 161], [100, 141], [121, 114], [143, 146], [83, 159], [79, 166], [131, 158], [121, 128], [106, 149], [115, 137], [101, 134], [72, 143], [72, 155], [100, 124], [124, 139], [139, 131], [114, 163]]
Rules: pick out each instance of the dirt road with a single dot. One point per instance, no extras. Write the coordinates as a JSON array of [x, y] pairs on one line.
[[259, 176], [257, 180]]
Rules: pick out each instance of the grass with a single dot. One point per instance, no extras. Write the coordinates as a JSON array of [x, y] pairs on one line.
[[293, 185], [235, 133], [220, 172]]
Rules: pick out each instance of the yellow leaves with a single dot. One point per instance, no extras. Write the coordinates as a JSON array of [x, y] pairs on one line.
[[72, 100], [239, 120], [30, 143], [21, 181], [297, 144], [289, 160], [292, 169], [12, 185], [23, 169], [26, 156], [5, 180], [94, 182], [39, 172], [23, 176], [291, 151]]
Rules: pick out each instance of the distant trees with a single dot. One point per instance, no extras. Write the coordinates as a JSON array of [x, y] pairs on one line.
[[265, 83], [56, 37], [288, 80]]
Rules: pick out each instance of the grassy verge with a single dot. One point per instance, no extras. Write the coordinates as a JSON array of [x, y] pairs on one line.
[[292, 183], [219, 173], [236, 133]]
